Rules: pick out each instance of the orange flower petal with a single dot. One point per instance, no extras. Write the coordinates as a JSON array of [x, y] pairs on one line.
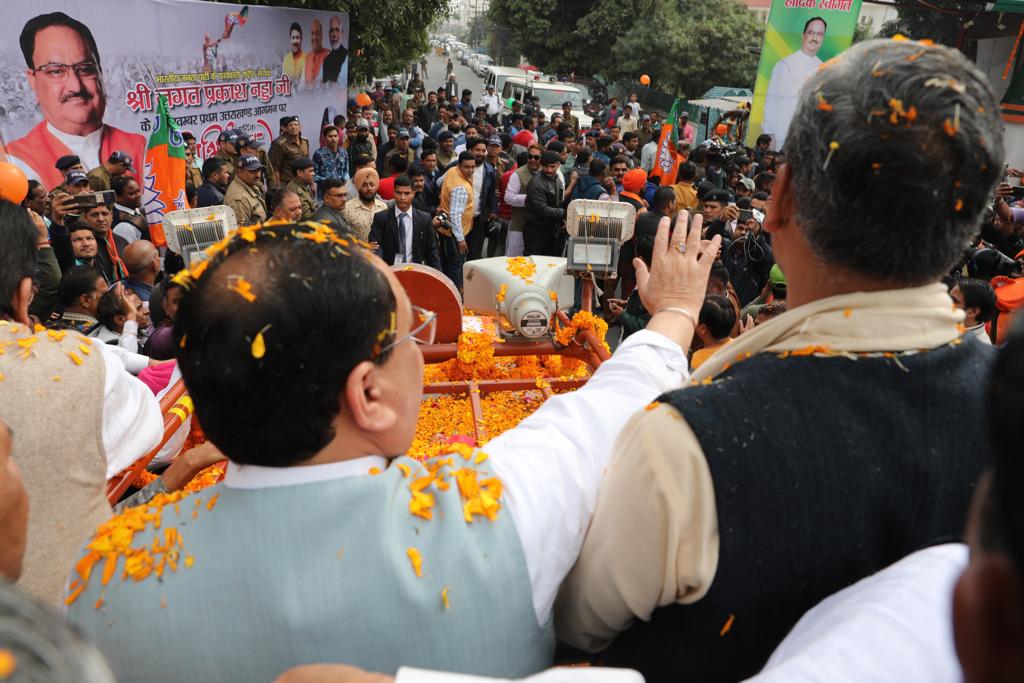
[[8, 663], [417, 561]]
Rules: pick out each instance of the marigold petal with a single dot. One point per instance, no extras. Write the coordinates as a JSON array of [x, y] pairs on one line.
[[259, 347], [417, 561], [8, 663]]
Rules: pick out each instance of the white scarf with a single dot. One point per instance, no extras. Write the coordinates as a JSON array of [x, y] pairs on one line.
[[894, 320]]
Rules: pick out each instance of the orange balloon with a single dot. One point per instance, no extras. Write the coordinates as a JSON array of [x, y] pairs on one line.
[[13, 183], [363, 100], [645, 80]]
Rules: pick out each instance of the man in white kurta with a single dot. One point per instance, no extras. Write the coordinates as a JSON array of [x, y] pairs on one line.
[[788, 77]]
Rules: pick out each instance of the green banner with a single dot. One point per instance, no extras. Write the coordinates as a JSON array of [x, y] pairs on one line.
[[801, 36]]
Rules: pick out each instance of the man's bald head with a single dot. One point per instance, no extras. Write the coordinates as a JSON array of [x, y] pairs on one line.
[[140, 256]]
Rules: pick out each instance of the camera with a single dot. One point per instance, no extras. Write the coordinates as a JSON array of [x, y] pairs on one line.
[[447, 227]]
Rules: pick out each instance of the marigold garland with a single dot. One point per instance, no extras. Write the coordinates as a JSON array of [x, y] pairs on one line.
[[204, 478], [583, 320]]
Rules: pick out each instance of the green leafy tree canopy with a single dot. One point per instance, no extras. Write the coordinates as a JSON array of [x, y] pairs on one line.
[[685, 46], [384, 35]]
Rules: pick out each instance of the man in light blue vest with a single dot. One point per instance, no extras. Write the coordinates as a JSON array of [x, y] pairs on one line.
[[324, 543]]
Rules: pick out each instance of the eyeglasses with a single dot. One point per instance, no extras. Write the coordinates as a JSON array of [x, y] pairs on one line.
[[535, 157], [423, 333], [59, 72]]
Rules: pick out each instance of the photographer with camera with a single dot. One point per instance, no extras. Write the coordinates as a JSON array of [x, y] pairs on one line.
[[748, 258], [1006, 230]]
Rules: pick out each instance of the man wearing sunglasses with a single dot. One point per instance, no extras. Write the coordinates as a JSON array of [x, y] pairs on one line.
[[64, 72], [324, 542], [515, 197]]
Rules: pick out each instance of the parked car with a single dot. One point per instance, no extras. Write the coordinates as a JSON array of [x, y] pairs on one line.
[[481, 64]]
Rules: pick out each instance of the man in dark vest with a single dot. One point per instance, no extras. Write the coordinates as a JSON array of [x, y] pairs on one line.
[[715, 531]]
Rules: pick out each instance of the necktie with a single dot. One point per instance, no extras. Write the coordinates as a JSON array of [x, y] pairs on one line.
[[401, 236]]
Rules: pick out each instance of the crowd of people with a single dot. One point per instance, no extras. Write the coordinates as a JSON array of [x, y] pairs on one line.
[[659, 519]]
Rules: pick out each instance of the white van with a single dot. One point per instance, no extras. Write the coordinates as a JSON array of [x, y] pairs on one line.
[[497, 75], [552, 94]]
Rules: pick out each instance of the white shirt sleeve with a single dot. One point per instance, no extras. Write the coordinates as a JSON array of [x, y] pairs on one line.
[[647, 157], [132, 362], [895, 625], [128, 232], [132, 424], [774, 101], [552, 464], [514, 196], [591, 674], [129, 339]]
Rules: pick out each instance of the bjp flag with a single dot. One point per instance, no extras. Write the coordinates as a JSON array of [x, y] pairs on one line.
[[667, 159], [163, 173]]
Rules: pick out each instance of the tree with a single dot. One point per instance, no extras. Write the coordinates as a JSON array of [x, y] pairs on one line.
[[940, 21], [384, 35], [684, 45], [689, 46]]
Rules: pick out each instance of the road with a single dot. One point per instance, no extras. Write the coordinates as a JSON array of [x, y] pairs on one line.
[[464, 76]]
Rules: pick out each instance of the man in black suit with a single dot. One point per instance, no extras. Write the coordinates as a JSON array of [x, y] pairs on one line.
[[404, 234], [338, 54]]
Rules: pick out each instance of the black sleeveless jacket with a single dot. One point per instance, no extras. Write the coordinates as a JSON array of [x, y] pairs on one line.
[[825, 470]]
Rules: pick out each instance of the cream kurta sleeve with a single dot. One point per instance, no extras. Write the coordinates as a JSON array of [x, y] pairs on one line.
[[653, 540]]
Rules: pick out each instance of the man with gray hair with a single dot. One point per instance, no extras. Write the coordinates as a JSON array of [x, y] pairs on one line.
[[715, 533]]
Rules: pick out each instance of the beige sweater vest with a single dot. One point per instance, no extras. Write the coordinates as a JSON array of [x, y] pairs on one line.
[[54, 408]]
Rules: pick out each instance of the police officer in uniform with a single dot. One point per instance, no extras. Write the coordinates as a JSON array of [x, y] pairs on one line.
[[301, 184], [245, 193]]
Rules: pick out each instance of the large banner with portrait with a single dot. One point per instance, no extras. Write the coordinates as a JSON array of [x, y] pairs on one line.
[[800, 37], [83, 77]]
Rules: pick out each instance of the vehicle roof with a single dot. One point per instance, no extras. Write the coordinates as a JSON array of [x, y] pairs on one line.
[[544, 85], [506, 71]]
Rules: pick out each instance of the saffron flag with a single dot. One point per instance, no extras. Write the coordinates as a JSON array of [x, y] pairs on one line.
[[163, 173], [666, 160]]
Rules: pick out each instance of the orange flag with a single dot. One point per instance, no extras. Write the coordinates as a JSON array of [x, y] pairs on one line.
[[667, 159], [164, 173]]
